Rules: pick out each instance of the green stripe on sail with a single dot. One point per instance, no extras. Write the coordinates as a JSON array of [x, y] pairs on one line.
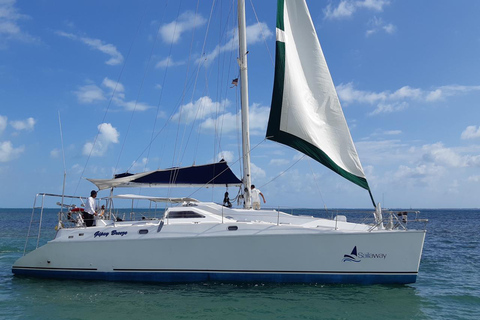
[[280, 25], [277, 96], [316, 154]]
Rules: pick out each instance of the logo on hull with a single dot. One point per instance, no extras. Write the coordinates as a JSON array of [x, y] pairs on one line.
[[355, 256], [352, 257]]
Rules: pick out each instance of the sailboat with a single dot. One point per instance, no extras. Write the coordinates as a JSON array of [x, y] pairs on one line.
[[206, 241]]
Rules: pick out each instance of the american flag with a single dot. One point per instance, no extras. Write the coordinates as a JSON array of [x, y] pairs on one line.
[[234, 82]]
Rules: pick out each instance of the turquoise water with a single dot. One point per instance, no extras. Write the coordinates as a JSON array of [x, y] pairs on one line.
[[448, 286]]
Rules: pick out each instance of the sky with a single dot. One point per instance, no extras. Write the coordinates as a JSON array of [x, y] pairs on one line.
[[94, 88]]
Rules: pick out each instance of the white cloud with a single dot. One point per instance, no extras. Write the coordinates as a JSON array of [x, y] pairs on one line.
[[377, 24], [393, 132], [471, 132], [172, 32], [114, 86], [346, 8], [107, 135], [389, 108], [55, 153], [474, 178], [434, 162], [448, 91], [387, 102], [226, 155], [200, 109], [27, 124], [278, 162], [376, 5], [255, 33], [109, 49], [256, 172], [258, 32], [423, 173], [9, 24], [3, 124], [258, 117], [228, 122], [140, 166], [90, 94], [434, 95], [118, 91], [8, 152], [443, 156], [168, 62]]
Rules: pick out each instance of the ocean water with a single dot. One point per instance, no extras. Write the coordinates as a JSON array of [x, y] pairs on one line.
[[447, 287]]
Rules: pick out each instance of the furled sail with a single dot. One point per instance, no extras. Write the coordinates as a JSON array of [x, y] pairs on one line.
[[202, 176], [306, 113]]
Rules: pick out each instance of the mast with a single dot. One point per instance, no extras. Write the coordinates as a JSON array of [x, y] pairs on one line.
[[242, 62]]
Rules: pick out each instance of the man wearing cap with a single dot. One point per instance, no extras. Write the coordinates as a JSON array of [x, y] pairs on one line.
[[90, 209]]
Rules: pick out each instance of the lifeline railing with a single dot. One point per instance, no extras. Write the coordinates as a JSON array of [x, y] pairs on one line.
[[393, 220], [38, 210]]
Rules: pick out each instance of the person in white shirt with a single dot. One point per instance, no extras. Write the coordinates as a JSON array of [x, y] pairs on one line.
[[90, 209], [256, 198]]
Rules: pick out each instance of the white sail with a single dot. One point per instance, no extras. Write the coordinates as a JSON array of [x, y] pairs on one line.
[[306, 113]]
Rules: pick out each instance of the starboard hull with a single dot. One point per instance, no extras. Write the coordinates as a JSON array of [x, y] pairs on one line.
[[363, 258]]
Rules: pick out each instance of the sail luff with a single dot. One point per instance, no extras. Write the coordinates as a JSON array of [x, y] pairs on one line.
[[306, 113]]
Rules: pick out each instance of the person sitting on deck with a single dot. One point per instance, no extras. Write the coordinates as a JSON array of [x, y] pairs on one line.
[[226, 201]]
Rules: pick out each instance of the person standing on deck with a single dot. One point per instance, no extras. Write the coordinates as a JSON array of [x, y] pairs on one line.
[[256, 198], [90, 209]]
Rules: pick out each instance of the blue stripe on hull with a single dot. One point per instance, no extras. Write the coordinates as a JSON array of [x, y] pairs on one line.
[[183, 277]]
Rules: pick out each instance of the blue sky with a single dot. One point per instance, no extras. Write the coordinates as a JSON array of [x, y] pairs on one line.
[[122, 72]]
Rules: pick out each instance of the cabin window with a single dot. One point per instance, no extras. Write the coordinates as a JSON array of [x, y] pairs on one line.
[[232, 228], [184, 215], [143, 231]]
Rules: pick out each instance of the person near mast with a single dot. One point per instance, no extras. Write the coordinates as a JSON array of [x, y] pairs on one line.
[[90, 209], [256, 198]]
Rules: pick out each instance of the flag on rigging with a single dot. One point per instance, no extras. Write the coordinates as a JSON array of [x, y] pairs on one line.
[[234, 82]]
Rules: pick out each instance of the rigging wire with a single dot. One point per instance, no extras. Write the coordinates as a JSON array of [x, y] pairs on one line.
[[64, 164], [188, 68], [283, 172], [263, 34], [220, 105], [317, 185], [221, 121], [140, 90], [174, 176], [161, 89], [195, 84], [111, 99]]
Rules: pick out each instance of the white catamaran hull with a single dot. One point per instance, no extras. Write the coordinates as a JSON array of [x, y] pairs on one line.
[[205, 241], [247, 252]]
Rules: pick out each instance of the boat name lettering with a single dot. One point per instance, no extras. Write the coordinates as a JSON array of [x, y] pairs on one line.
[[118, 233], [100, 234], [368, 255]]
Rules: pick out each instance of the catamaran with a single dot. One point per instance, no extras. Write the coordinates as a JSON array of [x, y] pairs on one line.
[[206, 241]]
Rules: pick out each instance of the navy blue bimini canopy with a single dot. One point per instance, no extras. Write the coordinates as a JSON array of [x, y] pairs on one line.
[[204, 175]]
